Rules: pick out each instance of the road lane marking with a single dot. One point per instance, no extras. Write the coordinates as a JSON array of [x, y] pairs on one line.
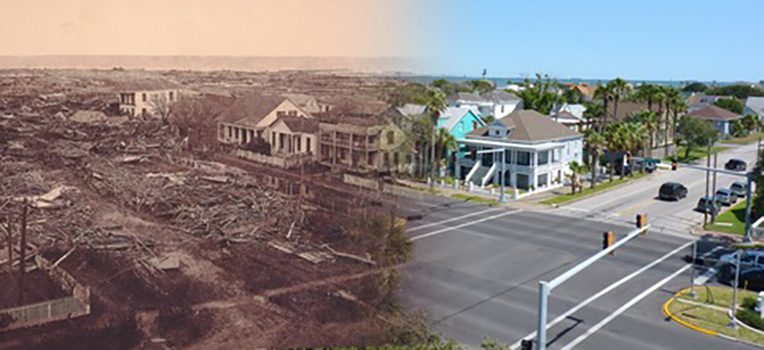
[[636, 207], [625, 307], [601, 293], [463, 225], [452, 219]]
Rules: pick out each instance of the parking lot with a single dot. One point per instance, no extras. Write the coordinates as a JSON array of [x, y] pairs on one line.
[[476, 271]]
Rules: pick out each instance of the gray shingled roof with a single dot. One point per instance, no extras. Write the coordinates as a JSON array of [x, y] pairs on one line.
[[713, 113], [755, 104], [530, 126]]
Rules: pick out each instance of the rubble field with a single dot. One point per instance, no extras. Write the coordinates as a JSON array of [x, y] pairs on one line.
[[181, 251]]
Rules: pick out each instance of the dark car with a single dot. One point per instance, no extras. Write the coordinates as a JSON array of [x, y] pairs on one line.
[[708, 205], [751, 277], [672, 191], [735, 165], [647, 166]]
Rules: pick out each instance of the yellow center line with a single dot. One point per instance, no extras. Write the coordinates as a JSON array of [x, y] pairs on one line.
[[635, 207]]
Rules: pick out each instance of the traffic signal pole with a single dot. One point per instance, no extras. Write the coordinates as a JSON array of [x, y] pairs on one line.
[[545, 288]]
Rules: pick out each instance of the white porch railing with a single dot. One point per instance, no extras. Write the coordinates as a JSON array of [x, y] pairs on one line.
[[472, 172]]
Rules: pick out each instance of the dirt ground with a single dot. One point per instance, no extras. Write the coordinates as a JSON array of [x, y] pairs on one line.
[[37, 287], [244, 276]]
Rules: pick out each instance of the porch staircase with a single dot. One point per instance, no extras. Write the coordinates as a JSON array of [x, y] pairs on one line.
[[488, 176]]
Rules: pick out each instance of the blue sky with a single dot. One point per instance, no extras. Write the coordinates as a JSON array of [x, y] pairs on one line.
[[600, 39]]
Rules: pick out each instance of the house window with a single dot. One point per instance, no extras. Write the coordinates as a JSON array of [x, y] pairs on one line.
[[542, 180], [474, 125], [544, 158], [143, 97], [523, 158], [143, 111], [502, 108], [307, 145], [390, 137], [292, 113], [230, 132], [171, 96], [222, 131], [386, 160], [395, 158], [508, 157]]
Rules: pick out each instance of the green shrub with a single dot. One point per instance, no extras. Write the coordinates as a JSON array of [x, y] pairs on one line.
[[750, 318], [749, 303]]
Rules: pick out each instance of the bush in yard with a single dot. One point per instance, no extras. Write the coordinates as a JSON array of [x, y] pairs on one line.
[[749, 303], [750, 318], [6, 320]]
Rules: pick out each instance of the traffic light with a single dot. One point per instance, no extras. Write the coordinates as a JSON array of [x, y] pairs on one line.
[[628, 158], [642, 222], [674, 164], [608, 239]]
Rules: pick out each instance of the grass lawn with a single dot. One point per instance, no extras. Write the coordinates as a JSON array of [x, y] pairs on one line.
[[712, 319], [696, 153], [476, 199], [588, 191], [753, 137], [734, 218], [717, 295]]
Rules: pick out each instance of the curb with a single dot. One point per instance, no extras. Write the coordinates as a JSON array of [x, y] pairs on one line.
[[680, 321], [700, 329]]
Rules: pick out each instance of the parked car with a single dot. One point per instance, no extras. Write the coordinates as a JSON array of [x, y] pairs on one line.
[[725, 196], [672, 191], [751, 259], [735, 165], [708, 205], [738, 188], [648, 166], [750, 278]]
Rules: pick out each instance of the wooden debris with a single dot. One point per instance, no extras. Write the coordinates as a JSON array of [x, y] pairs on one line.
[[351, 256]]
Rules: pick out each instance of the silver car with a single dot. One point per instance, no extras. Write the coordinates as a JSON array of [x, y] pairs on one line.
[[726, 196], [738, 188]]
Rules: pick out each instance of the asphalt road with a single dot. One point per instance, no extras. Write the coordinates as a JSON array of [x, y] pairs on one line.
[[476, 270], [624, 203]]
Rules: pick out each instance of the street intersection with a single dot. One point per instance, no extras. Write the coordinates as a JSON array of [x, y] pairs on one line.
[[476, 268]]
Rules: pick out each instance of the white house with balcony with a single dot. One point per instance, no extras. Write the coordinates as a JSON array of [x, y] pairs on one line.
[[495, 103], [537, 152]]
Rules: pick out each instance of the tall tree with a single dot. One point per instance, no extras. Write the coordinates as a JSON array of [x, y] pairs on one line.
[[731, 104], [540, 95], [444, 142], [696, 133], [595, 142], [646, 93], [436, 104], [650, 121], [604, 93], [671, 97], [620, 89], [593, 115]]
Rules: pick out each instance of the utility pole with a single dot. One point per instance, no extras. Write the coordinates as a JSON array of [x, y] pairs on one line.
[[23, 249], [713, 193], [708, 177]]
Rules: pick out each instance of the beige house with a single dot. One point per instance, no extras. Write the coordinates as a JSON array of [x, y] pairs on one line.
[[363, 143], [276, 120], [147, 97]]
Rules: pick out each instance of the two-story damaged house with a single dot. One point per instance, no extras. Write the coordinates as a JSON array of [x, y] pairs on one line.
[[537, 152], [360, 142], [147, 97], [275, 120]]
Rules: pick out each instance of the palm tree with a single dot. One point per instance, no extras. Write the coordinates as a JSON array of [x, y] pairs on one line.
[[436, 104], [444, 142], [576, 170], [678, 106], [612, 136], [650, 121], [596, 142], [646, 93], [593, 114], [671, 96], [620, 89], [637, 137], [604, 93]]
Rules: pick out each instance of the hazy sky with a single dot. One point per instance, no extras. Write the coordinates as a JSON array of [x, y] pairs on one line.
[[646, 39], [634, 39], [219, 27]]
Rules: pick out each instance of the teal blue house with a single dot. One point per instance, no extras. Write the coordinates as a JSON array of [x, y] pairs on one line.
[[460, 121]]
